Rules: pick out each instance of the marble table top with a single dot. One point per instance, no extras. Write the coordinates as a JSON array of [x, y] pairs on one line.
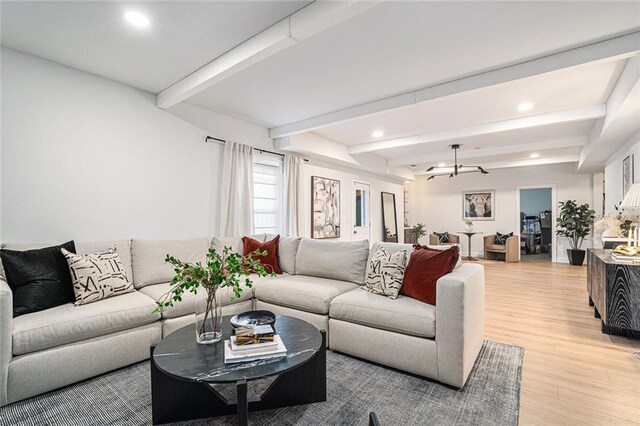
[[180, 356]]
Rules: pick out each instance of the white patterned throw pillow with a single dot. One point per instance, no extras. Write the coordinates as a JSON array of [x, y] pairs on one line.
[[97, 276], [385, 273]]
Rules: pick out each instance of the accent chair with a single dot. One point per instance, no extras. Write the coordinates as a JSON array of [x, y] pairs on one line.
[[508, 252]]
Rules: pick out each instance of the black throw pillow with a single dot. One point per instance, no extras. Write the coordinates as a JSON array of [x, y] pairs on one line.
[[501, 239], [443, 237], [39, 279]]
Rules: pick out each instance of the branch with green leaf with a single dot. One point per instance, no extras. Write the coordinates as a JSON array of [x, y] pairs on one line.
[[227, 269]]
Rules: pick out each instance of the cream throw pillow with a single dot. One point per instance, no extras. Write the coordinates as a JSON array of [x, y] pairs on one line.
[[97, 276], [385, 273]]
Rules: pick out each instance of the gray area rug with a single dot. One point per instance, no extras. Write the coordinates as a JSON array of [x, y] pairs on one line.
[[354, 387]]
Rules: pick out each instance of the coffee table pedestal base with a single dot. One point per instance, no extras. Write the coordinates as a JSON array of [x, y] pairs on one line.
[[176, 400]]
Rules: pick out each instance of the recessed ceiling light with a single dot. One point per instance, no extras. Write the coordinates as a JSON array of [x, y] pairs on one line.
[[534, 155], [377, 133], [441, 164], [136, 19], [525, 106]]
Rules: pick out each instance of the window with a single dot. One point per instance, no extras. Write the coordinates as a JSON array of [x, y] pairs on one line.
[[267, 194]]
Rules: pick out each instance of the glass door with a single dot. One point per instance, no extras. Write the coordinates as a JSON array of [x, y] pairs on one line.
[[361, 221]]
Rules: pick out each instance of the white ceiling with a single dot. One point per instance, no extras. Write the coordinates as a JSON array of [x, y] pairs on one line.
[[93, 36], [351, 58], [400, 46], [557, 91]]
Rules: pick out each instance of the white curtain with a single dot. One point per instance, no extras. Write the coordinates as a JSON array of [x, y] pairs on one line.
[[236, 191], [293, 218]]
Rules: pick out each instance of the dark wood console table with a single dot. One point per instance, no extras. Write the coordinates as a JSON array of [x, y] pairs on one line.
[[614, 291]]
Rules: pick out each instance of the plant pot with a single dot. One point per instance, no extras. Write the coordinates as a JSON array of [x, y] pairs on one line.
[[576, 256], [208, 318]]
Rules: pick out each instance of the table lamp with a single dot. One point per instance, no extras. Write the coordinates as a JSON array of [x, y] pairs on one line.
[[632, 201]]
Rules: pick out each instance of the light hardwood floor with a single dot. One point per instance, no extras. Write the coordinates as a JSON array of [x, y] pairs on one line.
[[572, 373]]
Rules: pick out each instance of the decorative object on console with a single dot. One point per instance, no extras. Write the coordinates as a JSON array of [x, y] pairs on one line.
[[253, 318], [227, 269], [97, 276], [501, 239], [469, 224], [478, 205], [627, 174], [385, 273], [457, 168], [39, 279], [269, 250], [389, 218], [325, 204], [574, 222], [426, 266]]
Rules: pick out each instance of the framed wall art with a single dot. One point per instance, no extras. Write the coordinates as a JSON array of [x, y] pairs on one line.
[[627, 174], [478, 205], [325, 207]]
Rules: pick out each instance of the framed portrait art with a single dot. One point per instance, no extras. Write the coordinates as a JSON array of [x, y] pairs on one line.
[[478, 205], [325, 219]]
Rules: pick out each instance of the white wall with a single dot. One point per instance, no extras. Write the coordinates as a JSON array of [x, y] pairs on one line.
[[347, 209], [438, 203], [90, 159], [613, 171]]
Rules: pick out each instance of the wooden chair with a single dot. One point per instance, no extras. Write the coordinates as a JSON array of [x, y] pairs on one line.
[[509, 252], [453, 239]]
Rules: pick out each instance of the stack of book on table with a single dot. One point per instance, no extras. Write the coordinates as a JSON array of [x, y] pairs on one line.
[[626, 254], [252, 344]]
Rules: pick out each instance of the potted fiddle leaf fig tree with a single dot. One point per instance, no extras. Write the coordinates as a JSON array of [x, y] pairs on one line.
[[574, 223], [227, 269]]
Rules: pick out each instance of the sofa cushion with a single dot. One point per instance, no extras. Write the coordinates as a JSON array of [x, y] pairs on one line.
[[390, 248], [67, 323], [501, 239], [385, 273], [443, 247], [123, 248], [402, 315], [339, 260], [311, 294], [425, 269], [187, 305], [148, 257], [97, 276], [287, 251], [269, 248], [496, 247], [38, 278], [219, 243]]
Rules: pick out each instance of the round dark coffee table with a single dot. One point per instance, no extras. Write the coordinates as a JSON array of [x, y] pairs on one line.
[[182, 371]]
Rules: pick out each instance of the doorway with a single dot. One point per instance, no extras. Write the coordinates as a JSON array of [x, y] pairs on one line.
[[536, 213], [361, 202]]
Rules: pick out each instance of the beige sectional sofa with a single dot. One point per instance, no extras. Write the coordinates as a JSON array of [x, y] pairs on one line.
[[46, 350]]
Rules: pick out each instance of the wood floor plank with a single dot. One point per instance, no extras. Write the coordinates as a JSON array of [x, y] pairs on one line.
[[572, 373]]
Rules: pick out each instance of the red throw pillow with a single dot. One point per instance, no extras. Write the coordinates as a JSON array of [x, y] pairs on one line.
[[425, 267], [270, 261]]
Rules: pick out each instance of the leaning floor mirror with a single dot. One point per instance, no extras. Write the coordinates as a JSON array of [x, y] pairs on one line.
[[389, 220]]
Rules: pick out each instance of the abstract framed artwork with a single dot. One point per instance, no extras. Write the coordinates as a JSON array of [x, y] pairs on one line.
[[325, 205], [478, 205], [627, 174]]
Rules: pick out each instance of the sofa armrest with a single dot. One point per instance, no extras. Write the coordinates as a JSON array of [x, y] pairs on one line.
[[6, 331], [459, 322]]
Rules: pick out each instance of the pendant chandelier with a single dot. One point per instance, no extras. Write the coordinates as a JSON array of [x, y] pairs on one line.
[[458, 169]]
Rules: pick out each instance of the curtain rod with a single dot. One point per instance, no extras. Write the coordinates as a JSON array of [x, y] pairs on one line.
[[261, 151]]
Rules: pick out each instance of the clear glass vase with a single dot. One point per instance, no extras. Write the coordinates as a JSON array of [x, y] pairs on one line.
[[208, 318]]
